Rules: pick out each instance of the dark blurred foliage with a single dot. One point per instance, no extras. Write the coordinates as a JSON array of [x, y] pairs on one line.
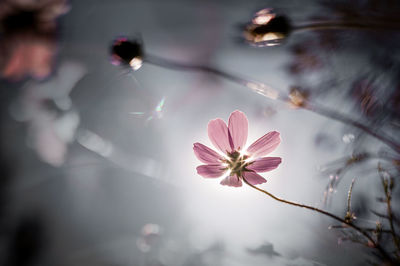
[[306, 59], [320, 50], [360, 67], [5, 178], [21, 244], [28, 35], [27, 242], [356, 66]]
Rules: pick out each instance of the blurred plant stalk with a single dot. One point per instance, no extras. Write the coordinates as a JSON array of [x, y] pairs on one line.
[[349, 25], [295, 98], [131, 53]]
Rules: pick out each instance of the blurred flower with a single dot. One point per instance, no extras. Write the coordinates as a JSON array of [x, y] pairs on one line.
[[149, 237], [236, 163], [28, 37], [46, 107], [267, 28]]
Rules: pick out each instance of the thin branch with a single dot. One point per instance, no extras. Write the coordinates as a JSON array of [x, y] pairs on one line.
[[387, 189], [365, 229], [349, 196], [348, 25], [355, 227], [271, 93]]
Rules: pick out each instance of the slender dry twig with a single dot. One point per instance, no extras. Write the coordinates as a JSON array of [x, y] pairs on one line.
[[349, 216], [387, 187], [371, 241], [365, 229]]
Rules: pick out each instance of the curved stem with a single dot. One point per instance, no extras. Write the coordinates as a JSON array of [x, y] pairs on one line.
[[255, 86], [273, 94], [337, 218]]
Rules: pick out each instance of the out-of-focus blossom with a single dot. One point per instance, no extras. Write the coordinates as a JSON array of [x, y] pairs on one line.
[[45, 140], [149, 237], [28, 37], [47, 108], [235, 161]]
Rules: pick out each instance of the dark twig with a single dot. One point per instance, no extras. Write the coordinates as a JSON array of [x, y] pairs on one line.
[[387, 185], [371, 241]]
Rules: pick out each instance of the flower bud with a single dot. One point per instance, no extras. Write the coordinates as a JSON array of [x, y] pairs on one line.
[[267, 28], [127, 52]]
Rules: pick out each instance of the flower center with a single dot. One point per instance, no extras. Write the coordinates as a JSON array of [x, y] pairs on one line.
[[236, 163]]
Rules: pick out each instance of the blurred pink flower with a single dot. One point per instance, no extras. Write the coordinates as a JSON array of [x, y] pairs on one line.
[[28, 41], [239, 164]]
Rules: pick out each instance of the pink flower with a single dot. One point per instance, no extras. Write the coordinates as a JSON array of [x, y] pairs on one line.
[[231, 140]]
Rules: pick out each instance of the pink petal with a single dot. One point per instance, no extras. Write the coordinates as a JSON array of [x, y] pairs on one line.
[[265, 144], [265, 164], [253, 178], [232, 181], [205, 154], [218, 134], [211, 170], [238, 127]]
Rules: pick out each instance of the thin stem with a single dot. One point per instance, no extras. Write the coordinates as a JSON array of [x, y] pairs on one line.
[[255, 86], [349, 196], [355, 227], [394, 236], [273, 94], [365, 229], [347, 25], [346, 120], [386, 188]]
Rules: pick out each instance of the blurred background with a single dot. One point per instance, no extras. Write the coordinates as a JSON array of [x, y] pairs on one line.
[[97, 161]]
